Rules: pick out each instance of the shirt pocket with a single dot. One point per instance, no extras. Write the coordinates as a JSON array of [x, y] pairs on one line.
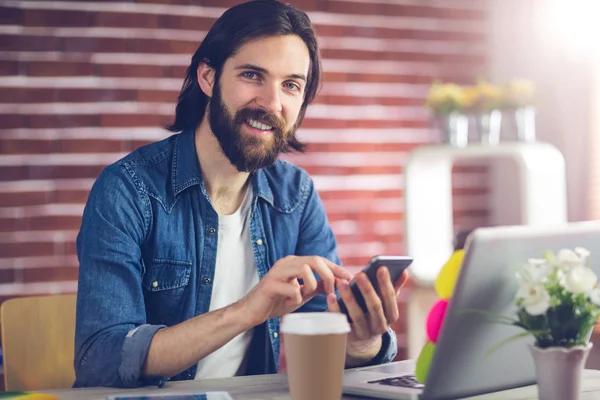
[[165, 283]]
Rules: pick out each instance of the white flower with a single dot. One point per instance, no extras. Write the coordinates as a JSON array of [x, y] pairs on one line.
[[536, 299], [534, 272], [579, 279], [594, 296], [567, 258], [582, 253]]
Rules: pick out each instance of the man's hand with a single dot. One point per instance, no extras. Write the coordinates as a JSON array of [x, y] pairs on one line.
[[280, 291], [364, 340]]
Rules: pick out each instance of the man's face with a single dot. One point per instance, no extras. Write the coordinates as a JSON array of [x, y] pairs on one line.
[[256, 101]]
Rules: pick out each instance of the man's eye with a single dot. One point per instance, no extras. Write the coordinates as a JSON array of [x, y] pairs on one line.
[[292, 86], [249, 74]]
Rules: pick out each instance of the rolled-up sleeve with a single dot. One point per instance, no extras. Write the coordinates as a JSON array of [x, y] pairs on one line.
[[112, 337]]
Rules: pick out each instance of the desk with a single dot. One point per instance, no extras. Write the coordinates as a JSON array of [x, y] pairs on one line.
[[274, 387]]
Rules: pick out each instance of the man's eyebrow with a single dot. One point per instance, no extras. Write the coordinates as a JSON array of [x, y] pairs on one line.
[[256, 68]]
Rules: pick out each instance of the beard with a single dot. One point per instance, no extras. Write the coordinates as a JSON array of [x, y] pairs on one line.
[[246, 152]]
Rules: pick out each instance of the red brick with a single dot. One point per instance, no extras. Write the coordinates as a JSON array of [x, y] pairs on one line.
[[161, 46], [49, 274], [360, 195], [358, 147], [158, 96], [129, 20], [63, 171], [347, 171], [132, 71], [467, 59], [469, 191], [310, 123], [11, 16], [94, 45], [367, 215], [27, 95], [12, 121], [9, 250], [177, 71], [135, 144], [60, 121], [9, 67], [390, 9], [11, 224], [19, 146], [92, 95], [367, 100], [70, 248], [60, 68], [89, 146], [7, 276], [53, 222], [125, 120], [70, 196], [31, 43], [62, 18], [13, 172], [14, 199], [187, 23]]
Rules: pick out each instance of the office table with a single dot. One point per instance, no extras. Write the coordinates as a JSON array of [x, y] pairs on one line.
[[274, 387]]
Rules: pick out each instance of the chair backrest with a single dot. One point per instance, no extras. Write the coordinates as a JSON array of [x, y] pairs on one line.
[[38, 337]]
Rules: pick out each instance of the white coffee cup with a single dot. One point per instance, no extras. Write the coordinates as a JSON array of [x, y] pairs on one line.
[[315, 352]]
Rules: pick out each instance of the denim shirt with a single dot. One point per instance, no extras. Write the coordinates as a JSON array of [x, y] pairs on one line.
[[147, 249]]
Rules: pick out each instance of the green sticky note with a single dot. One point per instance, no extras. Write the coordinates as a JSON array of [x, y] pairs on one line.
[[424, 361]]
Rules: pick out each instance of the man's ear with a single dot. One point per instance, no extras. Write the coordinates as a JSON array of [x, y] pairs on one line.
[[206, 78]]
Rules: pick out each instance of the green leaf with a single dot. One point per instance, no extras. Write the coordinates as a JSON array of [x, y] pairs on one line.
[[500, 317], [506, 341]]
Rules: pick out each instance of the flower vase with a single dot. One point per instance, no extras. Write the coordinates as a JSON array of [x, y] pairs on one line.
[[488, 127], [454, 127], [525, 122], [559, 371]]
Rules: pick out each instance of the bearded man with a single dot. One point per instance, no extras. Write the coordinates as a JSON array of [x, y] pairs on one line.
[[193, 247]]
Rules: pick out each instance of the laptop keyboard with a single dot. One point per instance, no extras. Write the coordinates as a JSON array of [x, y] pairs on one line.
[[407, 381]]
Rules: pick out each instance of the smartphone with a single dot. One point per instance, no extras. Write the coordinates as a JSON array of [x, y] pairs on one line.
[[395, 264]]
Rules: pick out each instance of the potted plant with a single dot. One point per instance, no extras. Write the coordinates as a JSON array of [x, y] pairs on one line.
[[483, 101], [517, 101], [446, 103], [558, 303]]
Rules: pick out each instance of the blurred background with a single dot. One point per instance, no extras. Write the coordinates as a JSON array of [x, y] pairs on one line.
[[82, 83]]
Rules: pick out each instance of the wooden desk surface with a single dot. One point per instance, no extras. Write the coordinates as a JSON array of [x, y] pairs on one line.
[[274, 387]]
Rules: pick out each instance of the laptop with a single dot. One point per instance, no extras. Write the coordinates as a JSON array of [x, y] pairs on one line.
[[463, 365]]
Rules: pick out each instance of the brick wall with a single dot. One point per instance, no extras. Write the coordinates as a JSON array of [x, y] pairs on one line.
[[82, 83]]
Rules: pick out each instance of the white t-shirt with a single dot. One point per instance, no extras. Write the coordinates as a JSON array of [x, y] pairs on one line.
[[235, 275]]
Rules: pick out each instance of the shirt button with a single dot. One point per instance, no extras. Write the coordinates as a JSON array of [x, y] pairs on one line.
[[211, 231], [259, 242], [206, 281], [155, 284], [275, 335]]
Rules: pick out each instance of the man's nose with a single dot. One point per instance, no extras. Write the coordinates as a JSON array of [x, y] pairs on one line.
[[269, 99]]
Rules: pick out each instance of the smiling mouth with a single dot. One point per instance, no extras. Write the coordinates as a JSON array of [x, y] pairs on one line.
[[258, 125]]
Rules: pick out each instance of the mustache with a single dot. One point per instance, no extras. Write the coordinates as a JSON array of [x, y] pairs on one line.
[[261, 116]]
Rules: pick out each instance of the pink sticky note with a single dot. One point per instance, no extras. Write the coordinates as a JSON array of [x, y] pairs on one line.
[[435, 320]]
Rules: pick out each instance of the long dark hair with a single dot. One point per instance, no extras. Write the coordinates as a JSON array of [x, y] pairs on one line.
[[237, 26]]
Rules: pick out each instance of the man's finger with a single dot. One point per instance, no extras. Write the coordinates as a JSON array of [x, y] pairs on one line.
[[360, 324], [309, 282], [376, 317], [339, 272], [388, 295], [332, 304], [401, 280]]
